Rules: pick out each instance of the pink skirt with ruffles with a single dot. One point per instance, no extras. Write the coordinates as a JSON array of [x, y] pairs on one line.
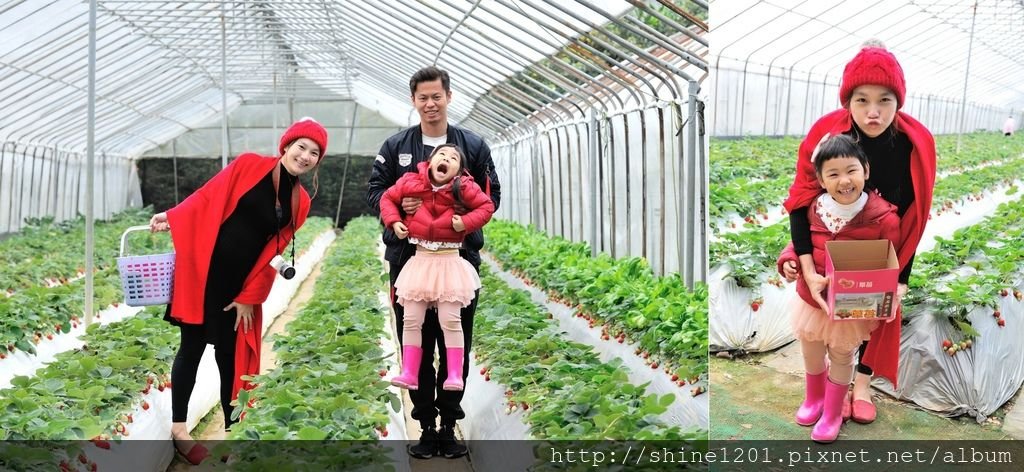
[[437, 276], [810, 323]]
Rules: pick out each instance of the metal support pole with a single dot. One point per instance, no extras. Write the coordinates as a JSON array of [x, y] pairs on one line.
[[348, 160], [594, 210], [223, 89], [90, 138], [687, 215], [967, 73]]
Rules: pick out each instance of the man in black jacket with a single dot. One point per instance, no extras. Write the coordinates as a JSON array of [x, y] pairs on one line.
[[431, 94]]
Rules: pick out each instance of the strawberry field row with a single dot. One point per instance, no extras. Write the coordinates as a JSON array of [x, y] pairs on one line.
[[32, 314], [752, 254], [658, 313], [566, 392], [750, 188], [327, 383], [986, 259]]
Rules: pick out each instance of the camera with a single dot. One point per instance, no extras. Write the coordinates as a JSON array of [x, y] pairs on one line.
[[282, 267]]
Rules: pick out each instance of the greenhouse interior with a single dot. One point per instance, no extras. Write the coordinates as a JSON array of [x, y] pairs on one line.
[[776, 69], [126, 118]]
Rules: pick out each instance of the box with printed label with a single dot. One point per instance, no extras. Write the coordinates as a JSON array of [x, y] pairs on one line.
[[863, 276]]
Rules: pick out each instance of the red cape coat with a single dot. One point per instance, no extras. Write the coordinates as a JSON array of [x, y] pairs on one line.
[[883, 351], [195, 223]]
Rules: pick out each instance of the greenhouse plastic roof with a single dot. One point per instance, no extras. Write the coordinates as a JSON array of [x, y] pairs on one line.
[[158, 67], [930, 38]]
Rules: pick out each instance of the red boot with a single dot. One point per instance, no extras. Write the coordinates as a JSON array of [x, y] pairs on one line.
[[455, 361], [409, 378], [810, 410]]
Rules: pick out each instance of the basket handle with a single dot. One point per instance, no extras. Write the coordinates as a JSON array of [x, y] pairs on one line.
[[129, 230]]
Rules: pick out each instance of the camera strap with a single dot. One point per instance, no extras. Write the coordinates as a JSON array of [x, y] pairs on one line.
[[276, 176]]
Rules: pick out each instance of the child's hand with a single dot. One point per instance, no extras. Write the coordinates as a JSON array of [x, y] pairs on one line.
[[457, 223], [816, 284], [790, 271], [400, 230]]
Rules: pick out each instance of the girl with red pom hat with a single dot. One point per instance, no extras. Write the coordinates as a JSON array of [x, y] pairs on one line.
[[225, 235], [901, 153]]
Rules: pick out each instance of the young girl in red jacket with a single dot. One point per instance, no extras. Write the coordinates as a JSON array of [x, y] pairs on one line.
[[845, 211], [436, 275], [225, 235]]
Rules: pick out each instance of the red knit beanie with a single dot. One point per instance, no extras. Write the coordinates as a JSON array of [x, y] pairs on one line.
[[873, 66], [305, 128]]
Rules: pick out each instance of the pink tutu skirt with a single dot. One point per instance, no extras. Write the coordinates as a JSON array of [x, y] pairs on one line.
[[437, 276], [810, 323]]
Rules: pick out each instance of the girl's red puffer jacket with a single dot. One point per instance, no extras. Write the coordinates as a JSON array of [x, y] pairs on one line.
[[433, 220]]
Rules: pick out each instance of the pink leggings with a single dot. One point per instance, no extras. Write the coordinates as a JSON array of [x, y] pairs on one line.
[[840, 368], [449, 314]]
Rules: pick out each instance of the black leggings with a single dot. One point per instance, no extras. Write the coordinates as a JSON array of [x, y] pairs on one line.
[[861, 368], [186, 364]]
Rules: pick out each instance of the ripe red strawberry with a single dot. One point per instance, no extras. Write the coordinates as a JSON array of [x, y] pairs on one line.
[[675, 377], [996, 314], [483, 370], [1003, 292], [82, 458], [383, 372], [622, 340], [645, 355], [160, 387], [167, 384], [946, 344], [92, 467], [1001, 322], [654, 365], [487, 377], [145, 391], [525, 406], [384, 432], [145, 405], [130, 419], [3, 356], [49, 336], [755, 306], [10, 348], [102, 444]]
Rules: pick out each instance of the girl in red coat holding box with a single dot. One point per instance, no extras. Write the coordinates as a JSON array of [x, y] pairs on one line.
[[844, 212], [436, 275], [225, 235]]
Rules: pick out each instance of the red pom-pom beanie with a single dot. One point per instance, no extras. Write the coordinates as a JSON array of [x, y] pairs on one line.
[[305, 128], [873, 66]]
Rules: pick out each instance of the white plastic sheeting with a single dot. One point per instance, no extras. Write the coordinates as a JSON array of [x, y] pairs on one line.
[[38, 181], [777, 64], [736, 326], [496, 438], [685, 411], [973, 382]]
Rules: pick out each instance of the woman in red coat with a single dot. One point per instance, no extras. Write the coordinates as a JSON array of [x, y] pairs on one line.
[[901, 152], [436, 275], [225, 235], [845, 211]]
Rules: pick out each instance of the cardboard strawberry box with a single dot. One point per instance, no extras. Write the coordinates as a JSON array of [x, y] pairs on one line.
[[863, 276]]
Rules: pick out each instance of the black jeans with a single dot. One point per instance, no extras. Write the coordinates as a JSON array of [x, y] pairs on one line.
[[431, 400], [861, 367]]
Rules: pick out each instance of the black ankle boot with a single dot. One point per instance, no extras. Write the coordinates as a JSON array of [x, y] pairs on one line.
[[447, 445], [427, 447]]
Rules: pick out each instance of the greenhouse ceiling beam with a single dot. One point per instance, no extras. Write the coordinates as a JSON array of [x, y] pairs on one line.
[[482, 91], [154, 38], [673, 23], [602, 69], [671, 85], [563, 48], [473, 47], [451, 31], [654, 37], [664, 66], [90, 160], [568, 68]]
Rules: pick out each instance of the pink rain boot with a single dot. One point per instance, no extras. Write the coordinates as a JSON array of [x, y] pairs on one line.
[[409, 378], [810, 410], [455, 361], [827, 428]]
